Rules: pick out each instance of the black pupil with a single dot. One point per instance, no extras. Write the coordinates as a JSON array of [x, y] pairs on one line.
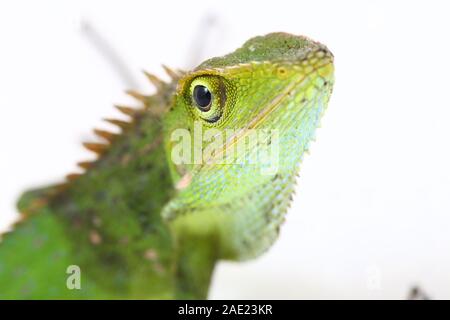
[[202, 97]]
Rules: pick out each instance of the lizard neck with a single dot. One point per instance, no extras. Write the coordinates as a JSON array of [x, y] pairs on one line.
[[195, 262]]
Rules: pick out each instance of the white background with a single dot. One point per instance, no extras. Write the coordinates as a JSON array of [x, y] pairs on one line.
[[371, 215]]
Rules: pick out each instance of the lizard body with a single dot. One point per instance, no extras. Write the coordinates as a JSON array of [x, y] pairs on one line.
[[140, 224]]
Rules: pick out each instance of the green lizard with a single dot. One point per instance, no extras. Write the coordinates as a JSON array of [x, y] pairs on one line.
[[140, 222]]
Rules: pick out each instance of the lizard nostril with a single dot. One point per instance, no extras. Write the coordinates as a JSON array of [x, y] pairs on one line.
[[282, 72]]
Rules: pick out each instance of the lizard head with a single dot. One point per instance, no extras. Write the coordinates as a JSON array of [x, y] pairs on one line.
[[235, 135]]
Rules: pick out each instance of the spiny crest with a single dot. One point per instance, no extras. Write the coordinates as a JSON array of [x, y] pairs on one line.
[[126, 110], [85, 164], [173, 74], [157, 82], [120, 123], [138, 96], [109, 137], [73, 176], [98, 148], [101, 148]]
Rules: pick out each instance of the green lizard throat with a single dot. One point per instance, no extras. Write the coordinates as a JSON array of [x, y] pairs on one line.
[[204, 171]]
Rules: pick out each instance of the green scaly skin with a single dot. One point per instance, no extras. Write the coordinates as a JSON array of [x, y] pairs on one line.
[[141, 226]]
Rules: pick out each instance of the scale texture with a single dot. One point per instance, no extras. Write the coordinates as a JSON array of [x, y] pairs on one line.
[[138, 224]]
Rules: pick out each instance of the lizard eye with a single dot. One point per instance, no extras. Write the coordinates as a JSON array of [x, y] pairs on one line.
[[202, 97], [207, 98]]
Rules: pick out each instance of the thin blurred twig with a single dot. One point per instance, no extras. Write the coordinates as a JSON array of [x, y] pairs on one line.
[[109, 53], [416, 293], [209, 32]]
